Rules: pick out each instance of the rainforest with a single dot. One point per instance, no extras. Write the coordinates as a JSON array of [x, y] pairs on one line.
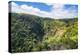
[[30, 33]]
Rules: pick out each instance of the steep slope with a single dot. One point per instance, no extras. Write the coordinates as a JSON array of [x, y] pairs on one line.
[[34, 33]]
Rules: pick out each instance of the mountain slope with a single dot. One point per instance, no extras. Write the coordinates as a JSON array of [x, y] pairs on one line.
[[34, 33]]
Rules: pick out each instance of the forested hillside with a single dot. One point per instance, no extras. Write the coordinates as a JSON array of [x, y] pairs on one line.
[[34, 33]]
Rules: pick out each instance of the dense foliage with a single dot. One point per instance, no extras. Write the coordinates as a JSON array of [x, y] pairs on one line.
[[34, 33]]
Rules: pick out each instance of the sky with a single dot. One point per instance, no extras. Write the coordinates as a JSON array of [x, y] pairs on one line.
[[51, 10]]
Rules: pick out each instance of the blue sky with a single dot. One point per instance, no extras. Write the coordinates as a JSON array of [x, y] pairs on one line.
[[41, 6], [46, 10]]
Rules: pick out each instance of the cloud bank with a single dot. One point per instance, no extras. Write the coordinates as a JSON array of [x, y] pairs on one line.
[[56, 12]]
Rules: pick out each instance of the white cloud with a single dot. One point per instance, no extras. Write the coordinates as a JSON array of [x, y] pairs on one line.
[[15, 8], [34, 11], [28, 9], [14, 4], [58, 6], [57, 11]]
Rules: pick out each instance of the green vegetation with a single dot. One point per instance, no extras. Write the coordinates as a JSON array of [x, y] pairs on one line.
[[34, 33]]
